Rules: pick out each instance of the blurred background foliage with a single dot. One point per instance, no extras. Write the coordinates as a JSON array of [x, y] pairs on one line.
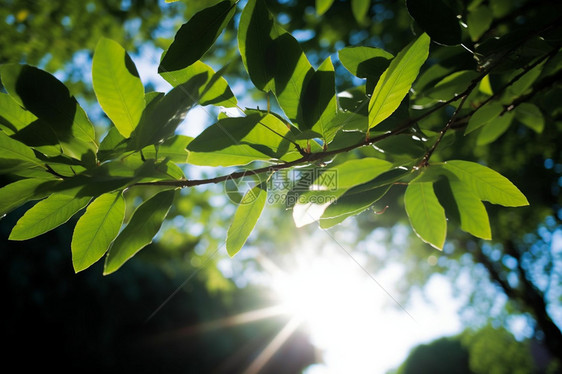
[[89, 323]]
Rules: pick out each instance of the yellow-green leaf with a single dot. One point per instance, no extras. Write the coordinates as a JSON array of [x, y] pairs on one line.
[[117, 85], [426, 215]]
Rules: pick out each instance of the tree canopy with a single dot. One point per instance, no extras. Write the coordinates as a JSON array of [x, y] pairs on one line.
[[441, 114]]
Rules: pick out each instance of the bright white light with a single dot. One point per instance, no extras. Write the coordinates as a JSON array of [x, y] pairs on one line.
[[350, 318]]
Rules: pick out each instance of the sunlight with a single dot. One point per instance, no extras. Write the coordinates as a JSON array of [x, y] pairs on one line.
[[338, 304]]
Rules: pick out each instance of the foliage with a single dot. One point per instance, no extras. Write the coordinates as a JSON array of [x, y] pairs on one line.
[[488, 350], [47, 136]]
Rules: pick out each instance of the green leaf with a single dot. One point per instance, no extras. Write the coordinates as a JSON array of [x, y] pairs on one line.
[[437, 19], [479, 21], [47, 215], [486, 183], [214, 91], [18, 193], [173, 149], [11, 149], [112, 145], [12, 116], [117, 85], [319, 99], [139, 232], [331, 183], [273, 58], [96, 229], [396, 81], [365, 62], [531, 116], [322, 6], [472, 212], [426, 215], [360, 8], [520, 86], [484, 115], [241, 140], [163, 114], [351, 203], [245, 218], [196, 36], [452, 85], [494, 129], [58, 112]]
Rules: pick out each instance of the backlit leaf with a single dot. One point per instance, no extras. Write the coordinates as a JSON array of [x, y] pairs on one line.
[[96, 229], [47, 215], [196, 36], [426, 215], [472, 212], [245, 218], [117, 85], [486, 183], [18, 193], [139, 232], [397, 80]]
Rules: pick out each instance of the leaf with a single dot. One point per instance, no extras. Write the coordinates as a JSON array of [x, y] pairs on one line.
[[12, 116], [397, 80], [365, 62], [494, 129], [112, 145], [214, 90], [360, 8], [331, 183], [484, 115], [139, 232], [273, 58], [47, 215], [322, 6], [18, 193], [173, 149], [196, 36], [426, 215], [486, 183], [245, 218], [117, 85], [531, 116], [472, 212], [349, 204], [479, 21], [96, 229], [163, 114], [241, 140], [11, 149], [319, 99], [452, 85], [437, 19], [48, 99]]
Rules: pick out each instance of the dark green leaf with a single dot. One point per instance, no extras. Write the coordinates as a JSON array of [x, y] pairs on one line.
[[12, 116], [360, 8], [437, 19], [273, 58], [322, 6], [494, 129], [531, 116], [196, 36], [48, 99], [241, 140], [484, 115], [365, 62], [214, 91]]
